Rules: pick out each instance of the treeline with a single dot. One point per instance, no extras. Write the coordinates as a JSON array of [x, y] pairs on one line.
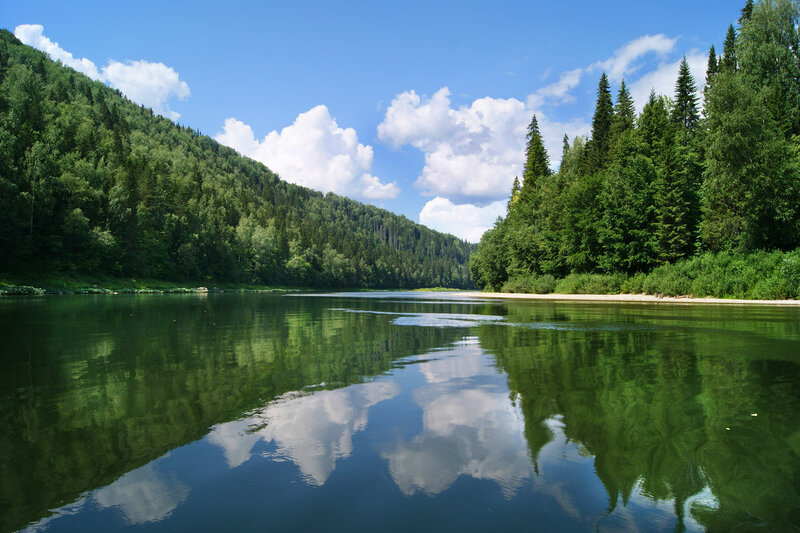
[[674, 182], [93, 184]]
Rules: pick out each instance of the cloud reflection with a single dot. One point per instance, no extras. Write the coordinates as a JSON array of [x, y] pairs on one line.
[[313, 431], [143, 495], [469, 428]]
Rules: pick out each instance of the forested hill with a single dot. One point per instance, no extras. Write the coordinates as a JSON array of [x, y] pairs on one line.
[[694, 179], [94, 184]]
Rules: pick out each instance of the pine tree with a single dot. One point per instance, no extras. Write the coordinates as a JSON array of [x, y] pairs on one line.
[[728, 61], [624, 113], [515, 189], [747, 12], [537, 164], [564, 147], [685, 112], [598, 153], [713, 66]]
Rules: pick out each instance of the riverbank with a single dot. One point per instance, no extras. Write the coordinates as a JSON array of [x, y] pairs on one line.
[[642, 298], [35, 285]]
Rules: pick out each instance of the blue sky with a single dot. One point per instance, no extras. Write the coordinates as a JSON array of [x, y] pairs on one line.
[[418, 107]]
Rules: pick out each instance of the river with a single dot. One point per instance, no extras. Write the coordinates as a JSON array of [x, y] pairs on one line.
[[396, 412]]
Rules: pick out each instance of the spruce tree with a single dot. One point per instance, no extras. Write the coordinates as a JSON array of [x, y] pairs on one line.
[[713, 67], [537, 164], [564, 147], [624, 112], [747, 12], [685, 112], [598, 153], [728, 61]]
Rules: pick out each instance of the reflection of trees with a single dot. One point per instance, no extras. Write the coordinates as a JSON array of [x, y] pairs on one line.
[[652, 404], [93, 388]]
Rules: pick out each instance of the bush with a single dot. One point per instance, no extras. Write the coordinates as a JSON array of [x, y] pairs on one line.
[[590, 284], [530, 284]]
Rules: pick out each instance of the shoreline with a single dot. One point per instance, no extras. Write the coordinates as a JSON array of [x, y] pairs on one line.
[[627, 298]]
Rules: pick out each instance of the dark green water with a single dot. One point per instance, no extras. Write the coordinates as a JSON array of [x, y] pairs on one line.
[[396, 412]]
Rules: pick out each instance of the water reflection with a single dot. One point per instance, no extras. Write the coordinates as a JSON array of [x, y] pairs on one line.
[[143, 495], [312, 430], [406, 413], [469, 428]]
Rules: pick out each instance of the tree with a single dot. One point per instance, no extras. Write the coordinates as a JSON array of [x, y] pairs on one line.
[[537, 164], [624, 113], [728, 61], [684, 112], [713, 66], [601, 127]]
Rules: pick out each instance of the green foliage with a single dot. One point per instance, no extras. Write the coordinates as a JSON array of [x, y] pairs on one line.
[[532, 284], [91, 183], [590, 284], [598, 148], [658, 189]]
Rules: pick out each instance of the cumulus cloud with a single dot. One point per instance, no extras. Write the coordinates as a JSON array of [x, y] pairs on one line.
[[33, 35], [149, 84], [472, 153], [146, 83], [662, 80], [466, 221], [314, 152]]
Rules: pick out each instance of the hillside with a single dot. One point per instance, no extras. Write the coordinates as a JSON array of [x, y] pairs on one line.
[[91, 183]]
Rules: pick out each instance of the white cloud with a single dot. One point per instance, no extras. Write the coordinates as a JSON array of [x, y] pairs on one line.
[[663, 79], [146, 83], [149, 84], [32, 35], [624, 62], [559, 90], [314, 152], [472, 153], [466, 221]]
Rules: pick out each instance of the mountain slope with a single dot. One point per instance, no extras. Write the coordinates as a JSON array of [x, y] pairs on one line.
[[92, 183]]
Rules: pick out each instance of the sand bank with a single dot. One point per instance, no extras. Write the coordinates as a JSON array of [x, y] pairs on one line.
[[647, 298]]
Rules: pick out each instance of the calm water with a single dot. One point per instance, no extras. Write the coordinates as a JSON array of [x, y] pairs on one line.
[[396, 411]]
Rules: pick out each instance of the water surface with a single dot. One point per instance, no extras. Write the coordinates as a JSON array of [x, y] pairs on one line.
[[396, 411]]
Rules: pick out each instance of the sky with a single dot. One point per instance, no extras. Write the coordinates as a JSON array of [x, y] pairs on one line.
[[417, 107]]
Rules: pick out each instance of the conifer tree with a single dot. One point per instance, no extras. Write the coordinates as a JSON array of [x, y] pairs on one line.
[[728, 61], [713, 66], [515, 189], [747, 12], [624, 112], [601, 127], [564, 147], [685, 113], [537, 164]]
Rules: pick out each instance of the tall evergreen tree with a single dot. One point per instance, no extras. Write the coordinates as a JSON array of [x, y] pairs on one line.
[[684, 112], [728, 61], [624, 112], [537, 164], [747, 12], [598, 152], [713, 66]]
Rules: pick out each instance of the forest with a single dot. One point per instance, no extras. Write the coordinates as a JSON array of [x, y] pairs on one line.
[[699, 194], [93, 184]]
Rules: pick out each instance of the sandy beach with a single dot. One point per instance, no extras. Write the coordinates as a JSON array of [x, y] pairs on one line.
[[645, 298]]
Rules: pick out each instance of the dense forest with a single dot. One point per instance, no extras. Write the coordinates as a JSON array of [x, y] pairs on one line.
[[693, 189], [91, 183]]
